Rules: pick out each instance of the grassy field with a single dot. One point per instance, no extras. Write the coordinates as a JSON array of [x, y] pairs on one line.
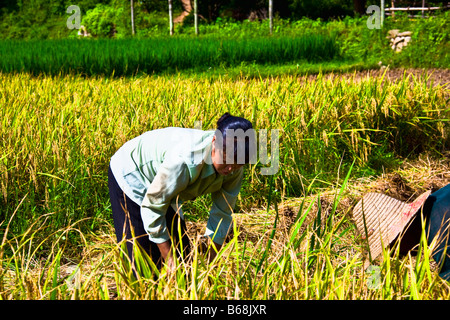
[[129, 57], [341, 136], [348, 39]]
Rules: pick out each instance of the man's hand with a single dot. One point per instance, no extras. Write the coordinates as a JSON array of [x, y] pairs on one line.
[[167, 255], [206, 245], [213, 250]]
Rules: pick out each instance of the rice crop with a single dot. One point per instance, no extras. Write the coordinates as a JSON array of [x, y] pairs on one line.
[[319, 259], [59, 132], [130, 57]]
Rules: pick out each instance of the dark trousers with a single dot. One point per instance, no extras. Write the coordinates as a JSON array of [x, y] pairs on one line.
[[127, 218], [437, 208]]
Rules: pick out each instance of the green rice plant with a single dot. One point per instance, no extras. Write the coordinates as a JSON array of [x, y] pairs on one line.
[[149, 56]]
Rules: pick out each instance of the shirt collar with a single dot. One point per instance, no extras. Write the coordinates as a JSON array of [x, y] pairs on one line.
[[208, 169]]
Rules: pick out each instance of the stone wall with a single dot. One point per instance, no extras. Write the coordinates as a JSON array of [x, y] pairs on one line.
[[398, 39]]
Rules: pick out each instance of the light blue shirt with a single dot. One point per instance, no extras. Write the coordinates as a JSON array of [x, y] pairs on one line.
[[168, 166]]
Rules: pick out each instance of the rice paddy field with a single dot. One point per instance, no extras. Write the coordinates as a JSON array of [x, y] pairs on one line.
[[128, 57], [341, 135]]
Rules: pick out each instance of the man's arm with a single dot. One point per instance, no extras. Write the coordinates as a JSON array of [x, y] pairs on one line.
[[171, 179], [224, 201], [166, 253]]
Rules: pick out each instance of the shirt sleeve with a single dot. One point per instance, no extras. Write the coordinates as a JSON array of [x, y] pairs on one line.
[[172, 177], [224, 201]]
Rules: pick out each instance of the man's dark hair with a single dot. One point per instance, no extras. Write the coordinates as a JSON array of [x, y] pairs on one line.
[[244, 140]]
